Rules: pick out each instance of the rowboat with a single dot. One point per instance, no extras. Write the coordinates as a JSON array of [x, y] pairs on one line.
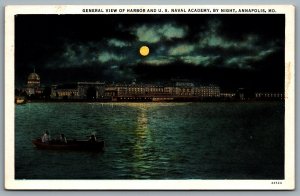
[[20, 100], [71, 144]]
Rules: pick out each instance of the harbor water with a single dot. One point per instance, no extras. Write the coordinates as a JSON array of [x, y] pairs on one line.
[[234, 140]]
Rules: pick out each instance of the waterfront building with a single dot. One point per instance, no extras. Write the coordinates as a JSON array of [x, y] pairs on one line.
[[33, 84], [121, 90], [182, 90], [65, 91], [136, 89], [111, 91], [210, 91], [91, 90], [178, 89], [169, 90], [79, 90], [155, 90]]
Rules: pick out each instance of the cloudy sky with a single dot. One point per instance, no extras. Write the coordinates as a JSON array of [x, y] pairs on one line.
[[228, 50]]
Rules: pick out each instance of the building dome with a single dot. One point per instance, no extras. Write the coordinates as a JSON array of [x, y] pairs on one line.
[[33, 80], [33, 77]]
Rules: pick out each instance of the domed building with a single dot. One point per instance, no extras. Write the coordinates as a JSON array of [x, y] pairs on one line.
[[33, 80], [33, 83]]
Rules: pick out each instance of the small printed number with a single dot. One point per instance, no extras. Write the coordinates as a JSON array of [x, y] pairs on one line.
[[276, 182]]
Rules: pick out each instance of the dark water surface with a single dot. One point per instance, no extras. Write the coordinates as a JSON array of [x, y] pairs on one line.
[[154, 140]]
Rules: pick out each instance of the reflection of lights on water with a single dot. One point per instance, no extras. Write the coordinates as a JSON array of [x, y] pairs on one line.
[[142, 123], [143, 149], [142, 138], [141, 105], [142, 119]]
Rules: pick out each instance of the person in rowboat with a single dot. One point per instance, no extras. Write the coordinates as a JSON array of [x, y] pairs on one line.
[[63, 138], [93, 138], [46, 137]]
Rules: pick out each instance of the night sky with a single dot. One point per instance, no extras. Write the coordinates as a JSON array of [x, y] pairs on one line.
[[231, 51]]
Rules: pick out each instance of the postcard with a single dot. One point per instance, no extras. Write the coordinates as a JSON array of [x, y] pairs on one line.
[[156, 97]]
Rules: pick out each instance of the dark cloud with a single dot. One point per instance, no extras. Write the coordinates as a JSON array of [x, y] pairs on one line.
[[180, 46], [159, 32]]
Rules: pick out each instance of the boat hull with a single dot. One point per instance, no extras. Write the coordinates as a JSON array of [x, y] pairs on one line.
[[79, 145], [20, 100]]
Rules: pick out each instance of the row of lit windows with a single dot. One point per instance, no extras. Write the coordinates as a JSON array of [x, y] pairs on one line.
[[134, 98], [33, 82], [151, 90], [227, 94], [202, 94], [268, 95], [66, 93], [206, 87], [163, 98], [173, 93], [206, 93], [163, 88], [207, 90]]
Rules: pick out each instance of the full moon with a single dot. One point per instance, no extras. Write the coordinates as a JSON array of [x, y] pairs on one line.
[[144, 50]]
